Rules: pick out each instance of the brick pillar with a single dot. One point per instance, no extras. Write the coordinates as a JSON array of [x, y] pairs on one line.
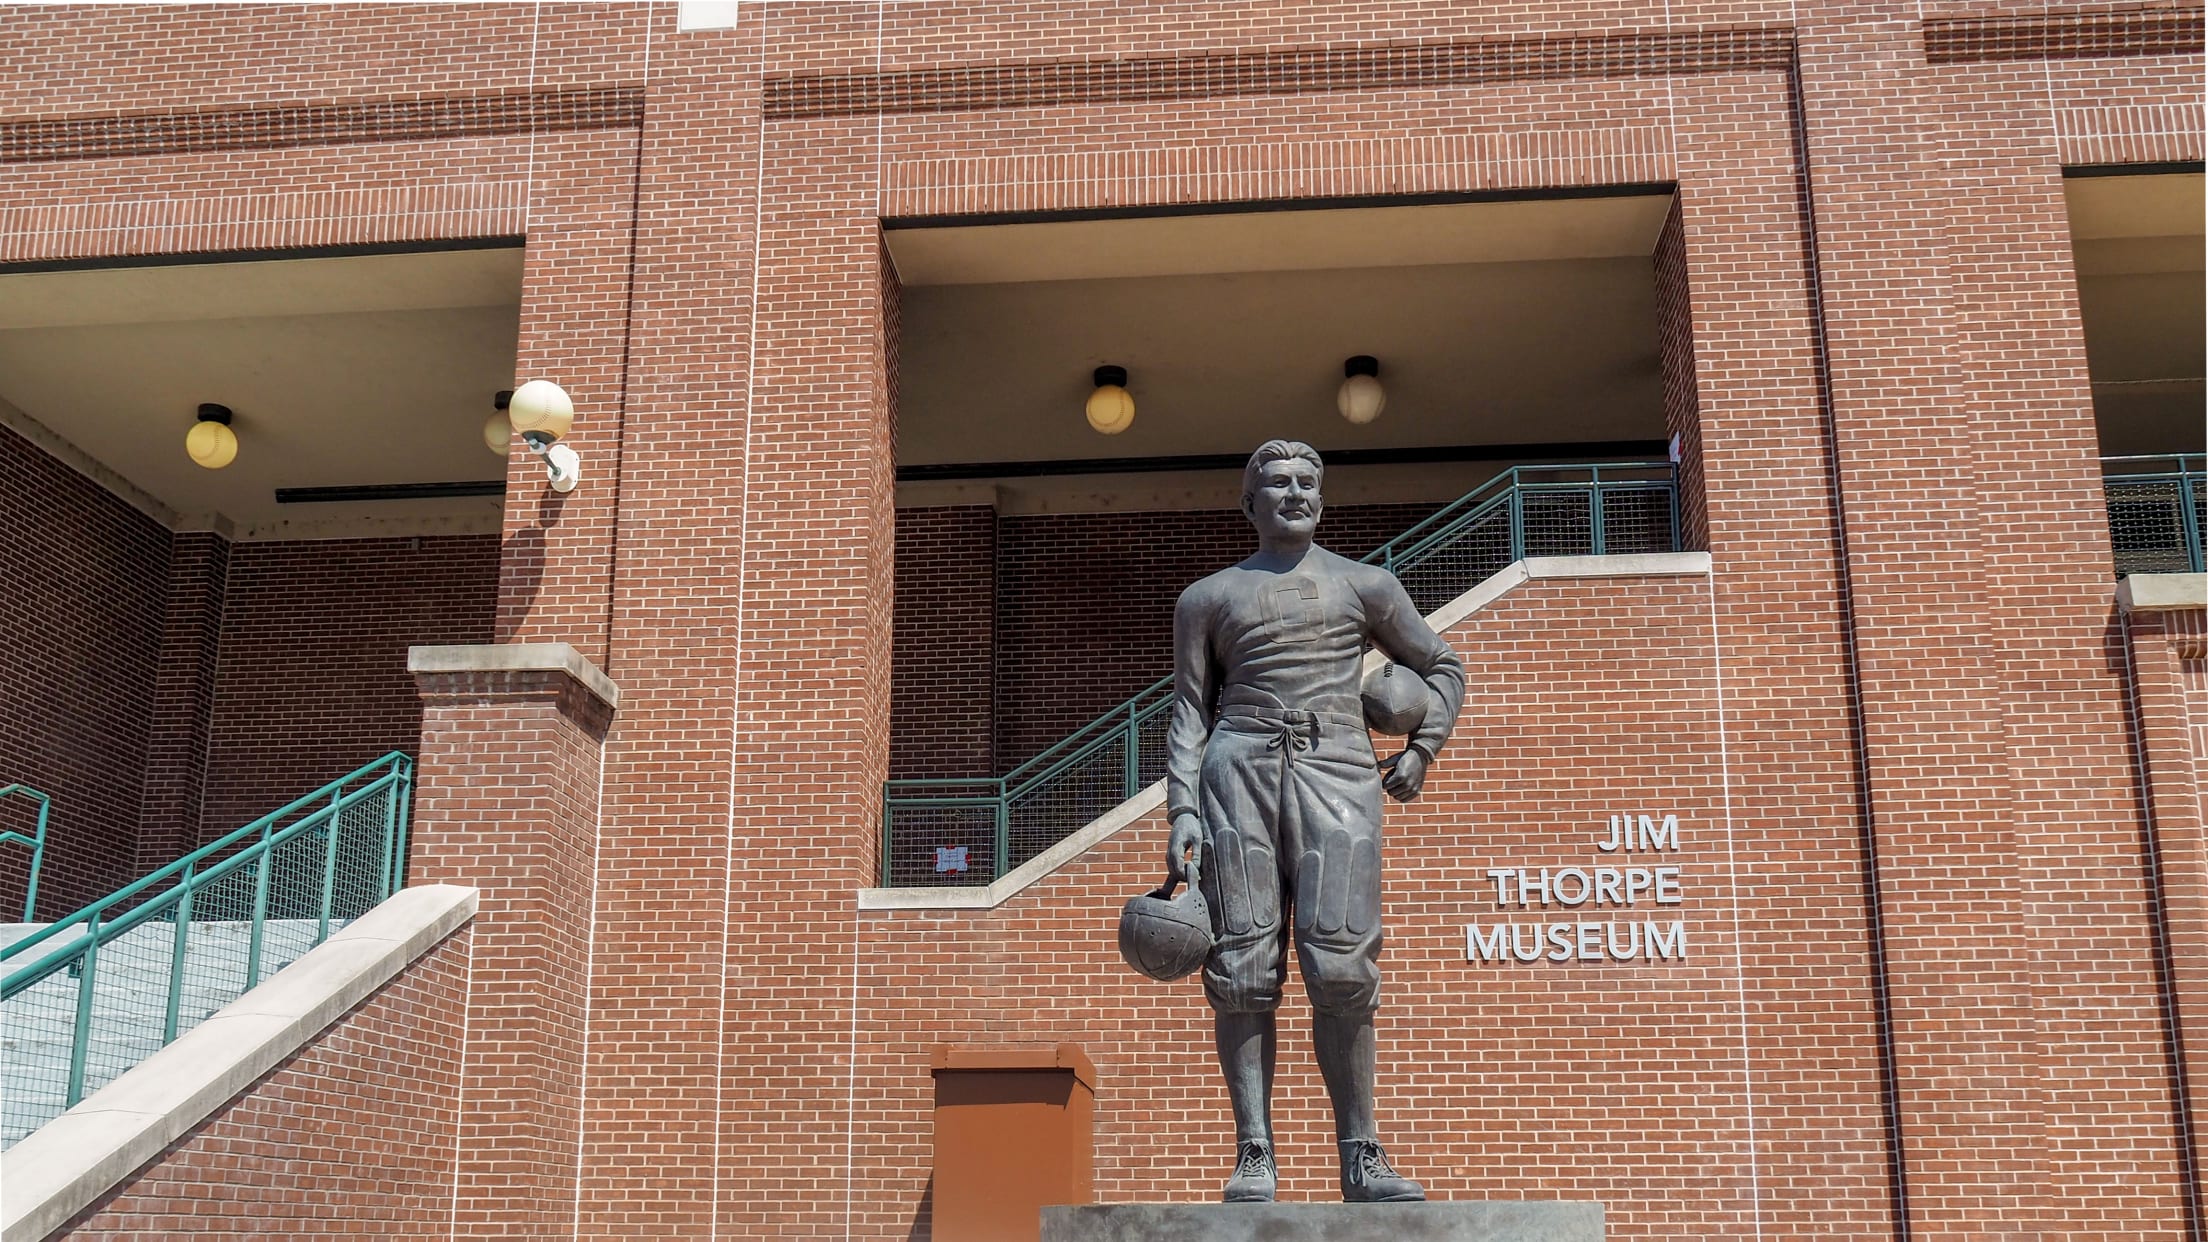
[[183, 698], [506, 801], [2167, 633], [1682, 401], [1940, 800], [1768, 500]]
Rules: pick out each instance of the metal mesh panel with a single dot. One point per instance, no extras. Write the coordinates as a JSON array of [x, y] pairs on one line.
[[941, 845], [1150, 742], [130, 978], [294, 901], [1558, 522], [1459, 556], [2146, 523], [1045, 812], [1637, 520], [359, 879], [36, 1028]]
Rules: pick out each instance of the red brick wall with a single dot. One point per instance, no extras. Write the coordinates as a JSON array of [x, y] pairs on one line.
[[82, 586], [312, 679], [352, 1135], [183, 699], [943, 721]]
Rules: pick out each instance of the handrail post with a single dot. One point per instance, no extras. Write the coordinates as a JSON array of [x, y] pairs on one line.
[[38, 860], [1133, 770], [1671, 493], [385, 841], [1517, 520], [1004, 834], [81, 1039], [329, 875], [1594, 513], [2188, 515], [180, 944], [260, 913], [405, 796], [889, 840]]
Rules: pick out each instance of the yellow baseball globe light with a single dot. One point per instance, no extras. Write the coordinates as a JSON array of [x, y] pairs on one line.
[[1110, 409], [541, 411], [210, 442], [1361, 397], [498, 430]]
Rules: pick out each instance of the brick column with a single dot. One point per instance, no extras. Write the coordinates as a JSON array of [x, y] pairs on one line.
[[1940, 801], [506, 801], [2166, 629], [183, 698]]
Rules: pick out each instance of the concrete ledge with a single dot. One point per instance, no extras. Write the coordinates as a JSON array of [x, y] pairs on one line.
[[67, 1164], [2162, 592], [515, 658], [1030, 872], [1501, 1221], [1499, 584]]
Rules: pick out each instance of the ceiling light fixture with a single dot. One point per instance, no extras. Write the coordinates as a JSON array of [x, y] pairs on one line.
[[1361, 397], [1110, 409], [210, 442], [498, 430], [542, 412]]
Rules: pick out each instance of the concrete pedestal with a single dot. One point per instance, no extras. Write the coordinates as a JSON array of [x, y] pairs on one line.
[[1325, 1222]]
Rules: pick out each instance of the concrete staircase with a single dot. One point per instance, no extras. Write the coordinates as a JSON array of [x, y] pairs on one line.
[[129, 1008]]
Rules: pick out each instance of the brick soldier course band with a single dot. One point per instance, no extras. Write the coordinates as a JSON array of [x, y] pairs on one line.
[[1272, 776]]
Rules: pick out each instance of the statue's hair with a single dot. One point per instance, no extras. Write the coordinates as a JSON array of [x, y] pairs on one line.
[[1279, 450]]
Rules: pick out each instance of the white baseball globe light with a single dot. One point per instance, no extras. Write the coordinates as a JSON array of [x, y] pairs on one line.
[[210, 442], [540, 409], [1110, 409], [1361, 397]]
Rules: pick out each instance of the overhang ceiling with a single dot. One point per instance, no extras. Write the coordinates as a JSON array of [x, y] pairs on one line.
[[359, 370], [1276, 241], [2140, 262], [1494, 324]]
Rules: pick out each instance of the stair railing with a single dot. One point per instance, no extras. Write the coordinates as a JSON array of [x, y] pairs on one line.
[[279, 883], [2157, 509], [37, 842], [1524, 511]]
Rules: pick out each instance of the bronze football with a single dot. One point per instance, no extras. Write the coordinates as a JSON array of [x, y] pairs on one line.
[[1395, 701]]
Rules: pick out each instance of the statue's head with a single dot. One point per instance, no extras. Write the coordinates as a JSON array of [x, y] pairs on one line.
[[1280, 488]]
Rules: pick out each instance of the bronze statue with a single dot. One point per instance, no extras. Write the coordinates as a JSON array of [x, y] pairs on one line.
[[1272, 776]]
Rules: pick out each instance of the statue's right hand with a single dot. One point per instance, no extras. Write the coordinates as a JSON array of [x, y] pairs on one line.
[[1187, 838]]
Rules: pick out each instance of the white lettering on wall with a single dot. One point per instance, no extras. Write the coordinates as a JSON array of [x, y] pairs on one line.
[[1629, 887]]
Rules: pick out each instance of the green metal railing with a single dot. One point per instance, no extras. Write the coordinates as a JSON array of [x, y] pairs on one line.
[[2157, 510], [88, 997], [36, 840], [969, 830]]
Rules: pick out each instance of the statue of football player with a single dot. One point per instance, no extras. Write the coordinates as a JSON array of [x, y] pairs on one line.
[[1272, 775]]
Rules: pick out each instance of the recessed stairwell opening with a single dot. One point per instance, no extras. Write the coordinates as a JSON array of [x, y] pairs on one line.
[[195, 645], [1522, 347], [2138, 243]]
